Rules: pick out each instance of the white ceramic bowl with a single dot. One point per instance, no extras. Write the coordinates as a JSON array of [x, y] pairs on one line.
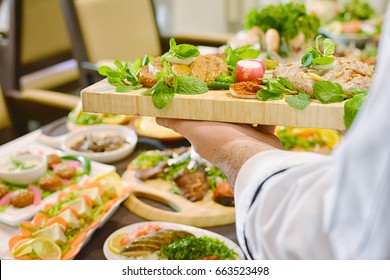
[[100, 131], [34, 168]]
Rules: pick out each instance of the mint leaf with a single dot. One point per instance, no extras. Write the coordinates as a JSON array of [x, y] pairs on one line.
[[323, 60], [190, 85], [307, 59], [321, 54], [274, 86], [104, 70], [125, 88], [182, 50], [351, 108], [356, 91], [327, 92], [161, 98], [299, 101], [329, 47], [233, 56], [286, 83], [265, 95], [124, 78]]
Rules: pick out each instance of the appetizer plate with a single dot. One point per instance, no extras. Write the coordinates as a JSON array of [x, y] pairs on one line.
[[164, 225], [6, 232], [66, 141], [13, 216], [215, 105]]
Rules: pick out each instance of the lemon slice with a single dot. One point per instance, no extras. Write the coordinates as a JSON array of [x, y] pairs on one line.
[[46, 249], [114, 243], [112, 184], [23, 247], [43, 247], [116, 119]]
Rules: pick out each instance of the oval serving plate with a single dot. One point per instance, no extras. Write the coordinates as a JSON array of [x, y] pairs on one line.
[[165, 225]]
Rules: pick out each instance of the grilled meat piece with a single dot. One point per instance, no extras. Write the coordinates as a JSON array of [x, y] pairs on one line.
[[208, 67], [150, 173], [193, 186], [204, 67], [348, 73], [50, 182], [152, 242], [52, 159], [22, 198], [65, 170], [3, 190]]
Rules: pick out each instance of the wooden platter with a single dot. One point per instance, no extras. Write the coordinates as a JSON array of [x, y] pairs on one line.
[[205, 213], [213, 106]]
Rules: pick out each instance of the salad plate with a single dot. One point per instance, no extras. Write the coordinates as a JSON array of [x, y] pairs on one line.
[[13, 216], [197, 232], [101, 195]]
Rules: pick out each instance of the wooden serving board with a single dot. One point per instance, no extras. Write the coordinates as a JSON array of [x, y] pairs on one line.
[[213, 106], [204, 213]]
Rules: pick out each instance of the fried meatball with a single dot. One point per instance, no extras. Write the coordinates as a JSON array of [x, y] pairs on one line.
[[65, 171], [3, 190], [52, 159], [22, 198], [50, 182]]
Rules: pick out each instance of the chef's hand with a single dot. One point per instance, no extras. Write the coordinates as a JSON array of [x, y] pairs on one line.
[[225, 145]]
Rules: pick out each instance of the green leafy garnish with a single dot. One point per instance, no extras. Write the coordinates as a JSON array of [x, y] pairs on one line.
[[265, 95], [195, 248], [124, 78], [328, 92], [321, 54], [300, 101], [352, 107], [288, 19], [286, 83], [190, 85], [168, 84], [235, 55], [356, 10], [182, 50]]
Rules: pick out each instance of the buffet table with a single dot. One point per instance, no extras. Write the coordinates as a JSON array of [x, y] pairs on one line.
[[93, 249]]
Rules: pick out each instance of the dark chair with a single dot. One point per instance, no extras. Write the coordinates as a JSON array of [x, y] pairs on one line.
[[104, 30], [35, 62]]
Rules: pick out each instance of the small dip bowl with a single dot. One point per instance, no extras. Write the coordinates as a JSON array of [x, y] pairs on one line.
[[23, 169]]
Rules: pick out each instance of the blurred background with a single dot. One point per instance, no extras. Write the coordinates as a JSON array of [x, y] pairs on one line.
[[51, 49]]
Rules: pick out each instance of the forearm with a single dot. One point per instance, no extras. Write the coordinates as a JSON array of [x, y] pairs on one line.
[[231, 157]]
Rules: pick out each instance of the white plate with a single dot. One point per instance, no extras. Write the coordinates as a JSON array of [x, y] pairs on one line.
[[65, 142], [6, 232], [194, 230], [13, 216]]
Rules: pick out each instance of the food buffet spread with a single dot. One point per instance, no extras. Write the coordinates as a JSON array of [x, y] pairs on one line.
[[284, 69]]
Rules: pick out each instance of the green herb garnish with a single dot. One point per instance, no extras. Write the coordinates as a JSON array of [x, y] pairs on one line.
[[124, 78], [352, 107], [299, 101], [321, 54], [328, 92], [235, 55], [181, 50], [195, 248], [288, 19]]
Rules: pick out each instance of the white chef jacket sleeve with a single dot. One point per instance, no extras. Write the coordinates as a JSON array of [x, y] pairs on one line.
[[292, 205]]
